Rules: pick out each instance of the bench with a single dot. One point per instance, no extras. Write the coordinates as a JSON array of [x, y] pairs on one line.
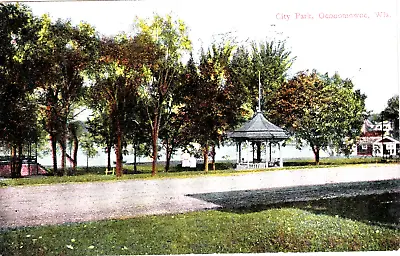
[[112, 171]]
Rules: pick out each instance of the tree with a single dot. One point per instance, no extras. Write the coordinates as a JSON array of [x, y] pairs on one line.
[[65, 53], [75, 130], [321, 111], [391, 113], [269, 61], [214, 100], [138, 131], [88, 147], [172, 39], [174, 134], [122, 68], [100, 127], [18, 123]]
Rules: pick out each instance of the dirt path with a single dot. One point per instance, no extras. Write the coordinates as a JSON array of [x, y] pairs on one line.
[[55, 204]]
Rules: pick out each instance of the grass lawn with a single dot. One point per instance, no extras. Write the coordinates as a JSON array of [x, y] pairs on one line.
[[96, 174], [272, 230]]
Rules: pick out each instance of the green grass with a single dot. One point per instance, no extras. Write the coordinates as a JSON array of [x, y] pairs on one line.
[[96, 174], [273, 230], [340, 161]]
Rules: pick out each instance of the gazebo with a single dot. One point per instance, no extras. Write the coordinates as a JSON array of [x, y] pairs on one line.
[[255, 132]]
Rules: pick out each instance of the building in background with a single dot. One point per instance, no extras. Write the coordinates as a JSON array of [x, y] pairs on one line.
[[375, 140]]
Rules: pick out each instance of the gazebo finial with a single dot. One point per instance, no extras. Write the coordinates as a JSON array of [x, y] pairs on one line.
[[259, 93]]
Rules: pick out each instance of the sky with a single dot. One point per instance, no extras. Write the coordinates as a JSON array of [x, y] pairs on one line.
[[364, 49]]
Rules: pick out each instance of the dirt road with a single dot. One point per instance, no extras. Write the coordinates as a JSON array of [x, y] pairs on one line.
[[61, 203]]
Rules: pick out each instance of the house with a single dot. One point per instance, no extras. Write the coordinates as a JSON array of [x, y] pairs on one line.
[[386, 146], [385, 126], [374, 137]]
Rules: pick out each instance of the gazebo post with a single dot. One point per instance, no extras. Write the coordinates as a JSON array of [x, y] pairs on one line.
[[280, 155], [270, 151], [240, 152], [252, 150], [247, 153], [237, 153], [266, 154]]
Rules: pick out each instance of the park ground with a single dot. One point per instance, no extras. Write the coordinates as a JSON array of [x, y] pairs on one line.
[[323, 209]]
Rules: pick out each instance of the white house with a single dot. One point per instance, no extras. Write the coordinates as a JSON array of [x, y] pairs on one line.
[[386, 146]]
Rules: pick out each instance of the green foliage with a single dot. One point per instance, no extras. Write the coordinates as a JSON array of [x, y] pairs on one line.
[[213, 99], [320, 110], [15, 23], [115, 96], [272, 230], [64, 53], [88, 145], [271, 59], [163, 77], [391, 113], [18, 108]]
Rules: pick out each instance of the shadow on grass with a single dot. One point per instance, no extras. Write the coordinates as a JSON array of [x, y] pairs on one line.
[[376, 203]]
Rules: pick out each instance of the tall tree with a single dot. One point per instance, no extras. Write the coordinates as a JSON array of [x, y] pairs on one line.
[[18, 122], [173, 41], [174, 134], [65, 52], [122, 68], [321, 111], [215, 101], [269, 61]]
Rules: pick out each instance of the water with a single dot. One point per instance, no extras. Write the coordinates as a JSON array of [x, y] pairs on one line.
[[224, 153]]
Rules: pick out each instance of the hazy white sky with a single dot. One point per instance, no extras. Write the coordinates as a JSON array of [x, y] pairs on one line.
[[364, 49]]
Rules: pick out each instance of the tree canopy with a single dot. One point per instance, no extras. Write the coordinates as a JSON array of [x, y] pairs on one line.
[[141, 92], [321, 111], [391, 113]]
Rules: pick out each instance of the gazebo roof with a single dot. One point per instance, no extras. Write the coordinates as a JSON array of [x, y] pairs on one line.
[[259, 128]]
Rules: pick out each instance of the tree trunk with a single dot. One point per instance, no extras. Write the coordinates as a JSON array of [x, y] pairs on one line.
[[169, 156], [316, 154], [134, 158], [12, 163], [155, 149], [19, 162], [213, 157], [63, 156], [54, 154], [118, 152], [76, 147], [205, 156], [108, 157], [154, 164], [29, 158], [87, 162]]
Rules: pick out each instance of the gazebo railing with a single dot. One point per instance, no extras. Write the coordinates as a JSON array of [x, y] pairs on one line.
[[244, 166]]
